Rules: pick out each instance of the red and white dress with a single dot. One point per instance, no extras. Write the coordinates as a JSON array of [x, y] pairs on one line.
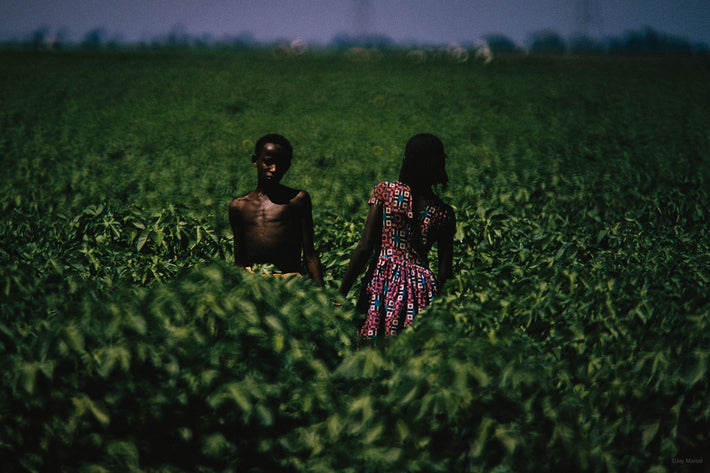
[[401, 284]]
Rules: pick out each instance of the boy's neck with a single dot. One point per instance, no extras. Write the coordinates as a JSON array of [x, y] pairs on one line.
[[275, 192], [268, 188]]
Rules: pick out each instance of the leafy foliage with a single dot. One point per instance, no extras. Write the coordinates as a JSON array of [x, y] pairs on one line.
[[573, 337]]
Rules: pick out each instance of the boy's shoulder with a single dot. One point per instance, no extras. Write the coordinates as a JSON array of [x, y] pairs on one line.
[[282, 195], [299, 199], [240, 201], [289, 195], [301, 194]]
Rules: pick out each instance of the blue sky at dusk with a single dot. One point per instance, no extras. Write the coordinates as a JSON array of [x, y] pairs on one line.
[[424, 21]]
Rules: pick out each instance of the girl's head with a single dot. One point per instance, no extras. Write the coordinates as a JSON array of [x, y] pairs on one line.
[[424, 161]]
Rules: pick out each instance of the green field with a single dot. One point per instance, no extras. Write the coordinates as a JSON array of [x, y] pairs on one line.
[[573, 337]]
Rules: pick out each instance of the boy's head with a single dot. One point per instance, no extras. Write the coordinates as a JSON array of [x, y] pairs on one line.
[[272, 158], [275, 139]]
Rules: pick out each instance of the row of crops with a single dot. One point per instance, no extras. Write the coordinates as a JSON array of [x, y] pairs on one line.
[[573, 337]]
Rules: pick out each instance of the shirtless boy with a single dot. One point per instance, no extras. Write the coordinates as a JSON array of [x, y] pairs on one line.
[[273, 223]]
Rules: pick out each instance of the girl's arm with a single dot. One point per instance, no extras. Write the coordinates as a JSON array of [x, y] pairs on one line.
[[370, 237], [446, 252]]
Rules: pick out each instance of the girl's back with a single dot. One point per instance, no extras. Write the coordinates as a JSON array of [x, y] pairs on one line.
[[405, 219], [410, 223]]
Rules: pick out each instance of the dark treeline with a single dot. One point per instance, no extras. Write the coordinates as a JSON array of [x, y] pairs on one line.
[[645, 41]]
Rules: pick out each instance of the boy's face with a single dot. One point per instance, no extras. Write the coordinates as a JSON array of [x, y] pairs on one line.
[[271, 164]]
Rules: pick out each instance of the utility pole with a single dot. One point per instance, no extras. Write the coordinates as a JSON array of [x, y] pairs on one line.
[[362, 16], [589, 18]]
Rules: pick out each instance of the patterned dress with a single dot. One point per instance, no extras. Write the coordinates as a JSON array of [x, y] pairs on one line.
[[400, 284]]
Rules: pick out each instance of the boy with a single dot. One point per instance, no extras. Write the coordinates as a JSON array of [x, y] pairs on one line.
[[273, 223]]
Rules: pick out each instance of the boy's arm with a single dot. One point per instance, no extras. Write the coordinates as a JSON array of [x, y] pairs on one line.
[[234, 223], [310, 257]]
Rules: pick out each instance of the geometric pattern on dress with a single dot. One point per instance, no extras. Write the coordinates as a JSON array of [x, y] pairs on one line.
[[401, 284]]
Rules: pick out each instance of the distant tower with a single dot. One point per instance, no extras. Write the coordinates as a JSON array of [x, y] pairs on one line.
[[362, 16], [589, 18]]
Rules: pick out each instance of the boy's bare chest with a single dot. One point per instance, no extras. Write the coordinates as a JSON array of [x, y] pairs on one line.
[[271, 214], [272, 229]]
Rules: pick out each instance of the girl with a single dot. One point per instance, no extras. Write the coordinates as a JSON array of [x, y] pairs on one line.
[[405, 219]]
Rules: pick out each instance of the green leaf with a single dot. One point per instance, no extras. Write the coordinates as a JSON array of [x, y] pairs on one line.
[[648, 432], [124, 454], [142, 239]]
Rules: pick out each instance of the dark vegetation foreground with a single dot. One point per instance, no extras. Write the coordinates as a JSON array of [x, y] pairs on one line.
[[573, 337]]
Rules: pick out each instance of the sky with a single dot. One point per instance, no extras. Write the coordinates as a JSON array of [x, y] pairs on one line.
[[318, 21]]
